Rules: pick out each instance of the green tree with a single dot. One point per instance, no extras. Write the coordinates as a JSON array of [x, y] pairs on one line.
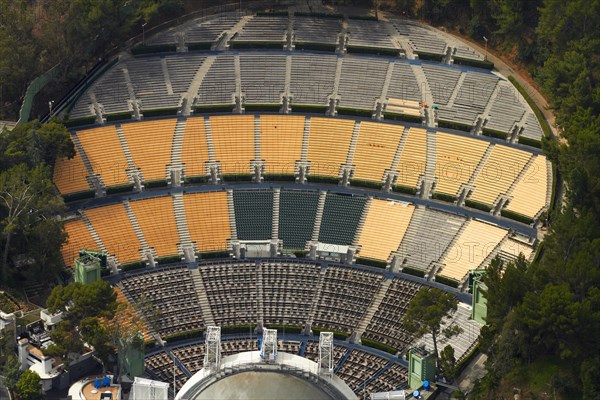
[[447, 363], [426, 313], [11, 370], [79, 301], [29, 386], [26, 197]]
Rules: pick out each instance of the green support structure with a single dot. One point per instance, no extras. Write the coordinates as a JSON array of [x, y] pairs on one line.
[[132, 356], [89, 266], [479, 312], [421, 367]]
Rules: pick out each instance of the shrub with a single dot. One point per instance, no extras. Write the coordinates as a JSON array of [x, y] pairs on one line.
[[155, 184], [405, 189], [119, 116], [315, 46], [447, 281], [288, 328], [516, 216], [538, 113], [378, 345], [323, 179], [214, 108], [364, 17], [70, 123], [208, 255], [454, 125], [265, 44], [236, 329], [372, 50], [494, 133], [430, 56], [366, 184], [132, 266], [530, 142], [307, 108], [336, 335], [280, 177], [199, 46], [300, 253], [318, 14], [168, 259], [119, 188], [477, 205], [262, 107], [485, 64], [273, 13], [444, 197], [196, 179], [87, 194], [237, 177], [414, 272], [371, 262], [354, 111]]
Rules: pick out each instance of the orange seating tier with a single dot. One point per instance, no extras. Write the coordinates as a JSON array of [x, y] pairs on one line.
[[194, 153], [208, 220], [116, 232], [150, 146], [156, 219], [104, 152]]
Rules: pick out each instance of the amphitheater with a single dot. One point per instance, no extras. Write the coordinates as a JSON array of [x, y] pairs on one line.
[[303, 170]]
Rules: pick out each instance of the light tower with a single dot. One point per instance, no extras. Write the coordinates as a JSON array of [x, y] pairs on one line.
[[212, 358], [268, 351], [326, 353]]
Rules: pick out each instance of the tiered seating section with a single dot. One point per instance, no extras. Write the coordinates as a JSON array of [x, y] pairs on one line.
[[419, 237], [360, 367], [167, 300], [384, 228], [297, 212], [341, 217], [150, 146], [232, 292], [345, 296], [288, 292], [386, 326], [471, 248], [152, 83]]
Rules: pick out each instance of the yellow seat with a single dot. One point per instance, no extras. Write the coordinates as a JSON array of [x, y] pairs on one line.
[[457, 158], [281, 142], [233, 140], [328, 145], [530, 194], [384, 228], [413, 158], [471, 248], [78, 238], [194, 153], [156, 219], [150, 146], [208, 220], [116, 232], [375, 149], [498, 173], [104, 152], [70, 175]]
